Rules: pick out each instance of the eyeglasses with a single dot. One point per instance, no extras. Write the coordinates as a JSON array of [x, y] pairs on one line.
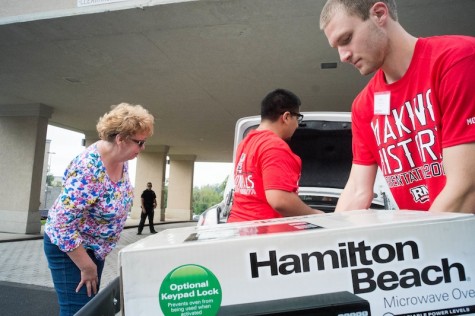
[[140, 143], [298, 115]]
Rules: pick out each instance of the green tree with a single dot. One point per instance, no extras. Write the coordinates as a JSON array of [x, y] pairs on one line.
[[49, 179], [206, 196], [222, 186], [165, 196]]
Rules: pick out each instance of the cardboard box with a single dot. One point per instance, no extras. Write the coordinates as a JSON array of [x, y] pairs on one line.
[[329, 304], [399, 262]]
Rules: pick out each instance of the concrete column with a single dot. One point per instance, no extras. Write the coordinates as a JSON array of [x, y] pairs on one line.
[[90, 138], [22, 139], [151, 167], [44, 174], [180, 187]]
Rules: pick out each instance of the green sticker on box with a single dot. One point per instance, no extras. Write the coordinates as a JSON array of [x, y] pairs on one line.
[[190, 290]]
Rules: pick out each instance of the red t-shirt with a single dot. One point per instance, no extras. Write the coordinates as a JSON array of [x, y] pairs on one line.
[[431, 107], [263, 162]]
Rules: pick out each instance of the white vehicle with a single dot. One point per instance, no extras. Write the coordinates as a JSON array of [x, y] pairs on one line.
[[323, 142]]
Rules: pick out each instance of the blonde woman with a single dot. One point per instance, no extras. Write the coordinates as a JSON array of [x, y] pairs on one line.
[[85, 222]]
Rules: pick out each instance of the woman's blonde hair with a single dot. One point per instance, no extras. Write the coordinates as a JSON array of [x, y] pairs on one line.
[[125, 120]]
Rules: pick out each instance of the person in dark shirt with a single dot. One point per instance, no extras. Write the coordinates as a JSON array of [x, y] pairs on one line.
[[149, 203]]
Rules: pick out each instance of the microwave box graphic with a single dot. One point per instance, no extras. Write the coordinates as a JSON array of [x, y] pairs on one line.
[[367, 262]]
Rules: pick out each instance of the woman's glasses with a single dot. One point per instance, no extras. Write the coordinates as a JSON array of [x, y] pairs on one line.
[[140, 143]]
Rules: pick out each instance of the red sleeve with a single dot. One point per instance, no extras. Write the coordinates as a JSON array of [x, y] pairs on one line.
[[280, 170], [361, 115], [456, 95]]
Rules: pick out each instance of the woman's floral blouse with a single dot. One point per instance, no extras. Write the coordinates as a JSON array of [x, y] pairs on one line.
[[91, 209]]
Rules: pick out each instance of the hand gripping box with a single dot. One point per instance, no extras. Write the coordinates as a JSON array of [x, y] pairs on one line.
[[354, 263]]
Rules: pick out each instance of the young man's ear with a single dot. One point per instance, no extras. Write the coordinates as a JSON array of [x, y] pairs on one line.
[[379, 12], [285, 116]]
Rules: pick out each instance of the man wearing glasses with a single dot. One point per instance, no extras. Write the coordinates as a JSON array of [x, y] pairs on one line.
[[266, 171]]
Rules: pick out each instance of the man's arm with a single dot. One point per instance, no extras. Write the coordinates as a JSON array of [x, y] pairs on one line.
[[458, 195], [358, 192], [143, 205], [288, 203]]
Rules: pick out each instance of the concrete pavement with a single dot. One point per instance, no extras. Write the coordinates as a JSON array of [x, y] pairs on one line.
[[22, 261]]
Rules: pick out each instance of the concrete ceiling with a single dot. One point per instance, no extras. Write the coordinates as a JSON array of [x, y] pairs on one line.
[[197, 66]]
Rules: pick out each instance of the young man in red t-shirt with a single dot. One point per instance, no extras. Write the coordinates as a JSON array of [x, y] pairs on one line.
[[267, 172], [416, 117]]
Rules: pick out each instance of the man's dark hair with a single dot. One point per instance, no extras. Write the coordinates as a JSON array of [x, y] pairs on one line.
[[277, 102]]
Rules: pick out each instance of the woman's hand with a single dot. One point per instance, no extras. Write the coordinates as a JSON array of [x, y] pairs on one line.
[[89, 278], [88, 268]]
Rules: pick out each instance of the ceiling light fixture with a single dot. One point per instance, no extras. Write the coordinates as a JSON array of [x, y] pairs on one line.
[[332, 65], [72, 80]]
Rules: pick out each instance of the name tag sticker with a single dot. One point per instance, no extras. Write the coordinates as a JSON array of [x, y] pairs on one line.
[[382, 101]]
